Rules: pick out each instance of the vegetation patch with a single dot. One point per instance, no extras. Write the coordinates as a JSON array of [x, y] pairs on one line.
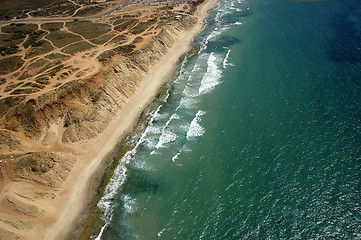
[[6, 41], [61, 38], [52, 72], [88, 29], [2, 81], [13, 35], [48, 66], [9, 50], [125, 25], [12, 86], [102, 39], [34, 38], [20, 28], [33, 85], [77, 47], [43, 48], [42, 80], [119, 39], [142, 26], [119, 21], [91, 10], [37, 64], [54, 56], [10, 8], [10, 64], [24, 91], [58, 8], [33, 68], [52, 26]]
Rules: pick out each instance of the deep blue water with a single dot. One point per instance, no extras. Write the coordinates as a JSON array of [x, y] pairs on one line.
[[259, 135]]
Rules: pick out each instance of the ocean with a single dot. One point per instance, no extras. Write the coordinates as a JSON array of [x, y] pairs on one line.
[[257, 136]]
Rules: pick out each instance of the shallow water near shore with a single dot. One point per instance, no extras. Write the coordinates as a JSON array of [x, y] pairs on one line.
[[258, 135]]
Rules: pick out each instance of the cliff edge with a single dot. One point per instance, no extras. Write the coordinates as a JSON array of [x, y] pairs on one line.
[[55, 138]]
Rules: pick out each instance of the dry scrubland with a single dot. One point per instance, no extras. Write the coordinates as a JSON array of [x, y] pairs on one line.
[[21, 9], [61, 85]]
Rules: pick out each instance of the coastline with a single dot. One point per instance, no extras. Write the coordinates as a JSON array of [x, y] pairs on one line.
[[73, 199]]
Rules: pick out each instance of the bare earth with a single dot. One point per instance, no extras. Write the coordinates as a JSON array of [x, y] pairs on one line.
[[49, 204]]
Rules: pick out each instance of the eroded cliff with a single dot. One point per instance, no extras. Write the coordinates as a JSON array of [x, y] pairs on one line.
[[40, 134]]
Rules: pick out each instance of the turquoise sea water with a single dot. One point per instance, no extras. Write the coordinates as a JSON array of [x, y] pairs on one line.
[[259, 136]]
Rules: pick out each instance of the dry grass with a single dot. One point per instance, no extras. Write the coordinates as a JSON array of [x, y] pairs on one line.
[[24, 91], [119, 39], [36, 51], [10, 64], [15, 34], [12, 86], [11, 8], [102, 39], [33, 69], [91, 10], [88, 29], [58, 8], [33, 39], [11, 28], [54, 56], [9, 43], [52, 26], [142, 26], [60, 38], [77, 47], [125, 25]]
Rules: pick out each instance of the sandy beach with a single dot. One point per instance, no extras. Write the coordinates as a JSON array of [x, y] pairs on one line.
[[73, 198]]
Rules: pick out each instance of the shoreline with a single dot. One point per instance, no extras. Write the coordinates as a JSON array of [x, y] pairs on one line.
[[73, 200]]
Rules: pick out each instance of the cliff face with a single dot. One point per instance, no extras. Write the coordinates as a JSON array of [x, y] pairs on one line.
[[38, 133], [85, 107]]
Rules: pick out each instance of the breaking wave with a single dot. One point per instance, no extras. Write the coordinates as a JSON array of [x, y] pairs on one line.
[[212, 76], [195, 129]]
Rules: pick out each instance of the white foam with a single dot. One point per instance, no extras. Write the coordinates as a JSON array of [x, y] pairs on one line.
[[238, 23], [101, 232], [130, 205], [117, 180], [188, 102], [189, 96], [156, 114], [225, 61], [166, 137], [175, 157], [195, 129], [190, 91], [212, 76], [142, 165], [161, 232], [106, 202], [174, 116], [211, 36]]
